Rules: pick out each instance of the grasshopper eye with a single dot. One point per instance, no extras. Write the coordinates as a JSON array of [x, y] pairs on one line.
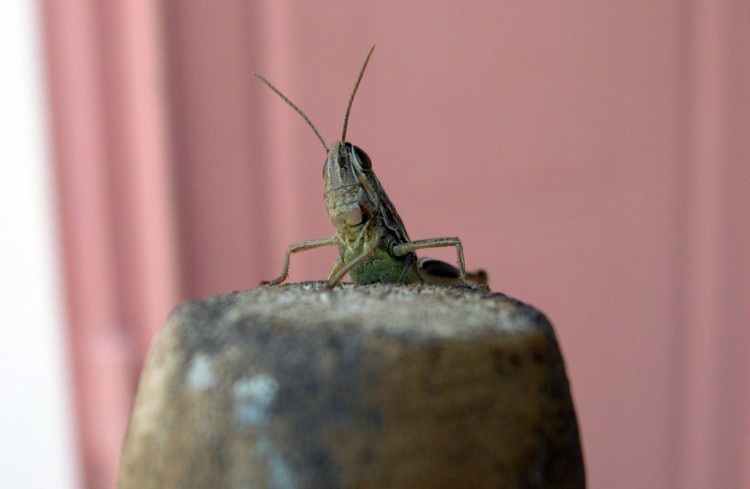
[[362, 159]]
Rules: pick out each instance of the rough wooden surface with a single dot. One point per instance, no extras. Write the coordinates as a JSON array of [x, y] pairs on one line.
[[360, 387]]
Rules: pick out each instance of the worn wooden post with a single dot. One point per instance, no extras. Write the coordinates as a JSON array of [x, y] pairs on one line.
[[383, 386]]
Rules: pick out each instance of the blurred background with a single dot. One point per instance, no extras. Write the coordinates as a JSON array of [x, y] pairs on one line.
[[594, 157]]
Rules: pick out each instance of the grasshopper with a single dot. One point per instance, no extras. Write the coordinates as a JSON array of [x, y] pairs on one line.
[[371, 238]]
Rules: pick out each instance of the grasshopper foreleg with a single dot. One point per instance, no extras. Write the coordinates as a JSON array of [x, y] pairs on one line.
[[340, 268], [404, 248], [297, 247]]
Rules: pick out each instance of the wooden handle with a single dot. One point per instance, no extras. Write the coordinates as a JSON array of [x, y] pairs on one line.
[[383, 386]]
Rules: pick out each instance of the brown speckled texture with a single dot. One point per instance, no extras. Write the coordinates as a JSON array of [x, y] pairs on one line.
[[381, 386]]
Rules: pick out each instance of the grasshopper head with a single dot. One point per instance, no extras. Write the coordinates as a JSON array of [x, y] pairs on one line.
[[345, 174]]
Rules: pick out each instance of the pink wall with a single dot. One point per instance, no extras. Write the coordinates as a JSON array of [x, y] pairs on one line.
[[592, 156]]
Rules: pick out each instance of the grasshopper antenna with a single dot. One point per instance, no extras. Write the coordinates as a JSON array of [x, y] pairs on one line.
[[297, 109], [351, 97]]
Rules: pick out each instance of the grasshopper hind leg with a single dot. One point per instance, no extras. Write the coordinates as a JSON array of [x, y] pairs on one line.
[[436, 272], [403, 248]]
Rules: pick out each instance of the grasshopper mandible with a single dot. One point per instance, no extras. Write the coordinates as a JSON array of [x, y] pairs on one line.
[[372, 241]]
